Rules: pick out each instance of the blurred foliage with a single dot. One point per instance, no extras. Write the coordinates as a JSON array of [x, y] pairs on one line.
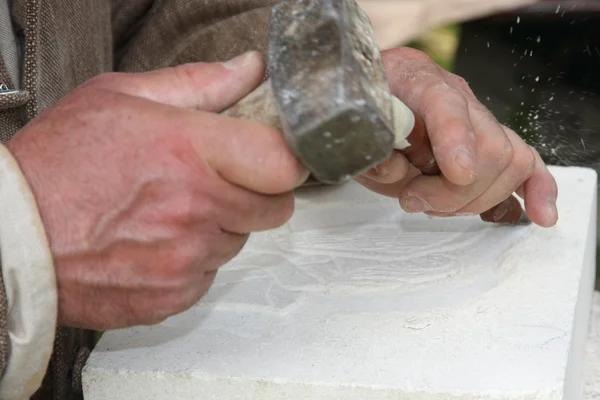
[[440, 44]]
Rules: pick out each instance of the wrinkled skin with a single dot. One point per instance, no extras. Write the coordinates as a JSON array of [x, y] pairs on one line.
[[145, 190], [482, 162]]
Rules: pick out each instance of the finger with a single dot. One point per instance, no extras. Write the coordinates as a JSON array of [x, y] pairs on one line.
[[241, 211], [251, 212], [156, 285], [516, 174], [509, 212], [157, 307], [154, 307], [248, 154], [540, 193], [196, 292], [446, 114], [461, 84], [421, 85], [437, 193], [389, 189], [202, 86], [392, 170], [398, 168], [420, 153]]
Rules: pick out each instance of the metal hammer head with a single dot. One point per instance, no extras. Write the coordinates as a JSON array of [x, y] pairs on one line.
[[330, 86]]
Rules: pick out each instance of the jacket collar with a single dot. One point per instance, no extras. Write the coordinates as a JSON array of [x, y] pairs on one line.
[[10, 95], [9, 48], [18, 103], [13, 95]]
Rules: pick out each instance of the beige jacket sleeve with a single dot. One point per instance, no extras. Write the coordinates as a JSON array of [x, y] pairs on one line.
[[397, 22], [29, 283]]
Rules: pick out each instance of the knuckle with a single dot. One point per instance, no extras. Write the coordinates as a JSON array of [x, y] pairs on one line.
[[510, 132], [524, 159], [455, 127], [507, 153], [534, 153], [484, 113], [190, 297], [529, 162], [228, 254], [181, 263], [172, 300], [409, 53], [439, 94], [479, 107], [462, 83], [409, 66], [235, 247], [185, 299], [394, 57], [454, 130], [137, 311], [218, 249]]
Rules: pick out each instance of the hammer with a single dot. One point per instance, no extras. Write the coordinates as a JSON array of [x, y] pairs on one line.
[[328, 92]]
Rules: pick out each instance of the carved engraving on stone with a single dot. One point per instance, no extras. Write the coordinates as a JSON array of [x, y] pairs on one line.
[[343, 264], [355, 299]]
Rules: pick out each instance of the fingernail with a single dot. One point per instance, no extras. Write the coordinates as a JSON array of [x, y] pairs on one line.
[[305, 177], [377, 172], [240, 61], [552, 210], [500, 211], [413, 204], [380, 171], [524, 220], [465, 158]]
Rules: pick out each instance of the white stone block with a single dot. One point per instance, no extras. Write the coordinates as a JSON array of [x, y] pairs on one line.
[[354, 299], [592, 354]]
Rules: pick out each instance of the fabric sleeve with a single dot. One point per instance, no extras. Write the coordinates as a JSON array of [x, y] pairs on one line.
[[27, 269], [207, 31], [221, 29]]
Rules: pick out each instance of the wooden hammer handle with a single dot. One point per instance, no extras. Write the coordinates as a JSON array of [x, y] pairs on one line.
[[420, 154]]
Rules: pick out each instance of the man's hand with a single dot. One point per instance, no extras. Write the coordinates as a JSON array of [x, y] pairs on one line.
[[482, 162], [145, 191]]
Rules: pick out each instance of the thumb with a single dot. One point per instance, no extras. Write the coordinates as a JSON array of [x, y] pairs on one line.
[[203, 86]]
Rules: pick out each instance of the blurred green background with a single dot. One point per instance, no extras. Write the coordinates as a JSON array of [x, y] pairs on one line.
[[440, 44]]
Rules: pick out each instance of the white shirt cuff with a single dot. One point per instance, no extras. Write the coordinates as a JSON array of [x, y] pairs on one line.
[[29, 281]]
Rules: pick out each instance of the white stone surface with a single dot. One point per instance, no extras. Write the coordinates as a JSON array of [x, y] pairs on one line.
[[354, 299], [592, 354]]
